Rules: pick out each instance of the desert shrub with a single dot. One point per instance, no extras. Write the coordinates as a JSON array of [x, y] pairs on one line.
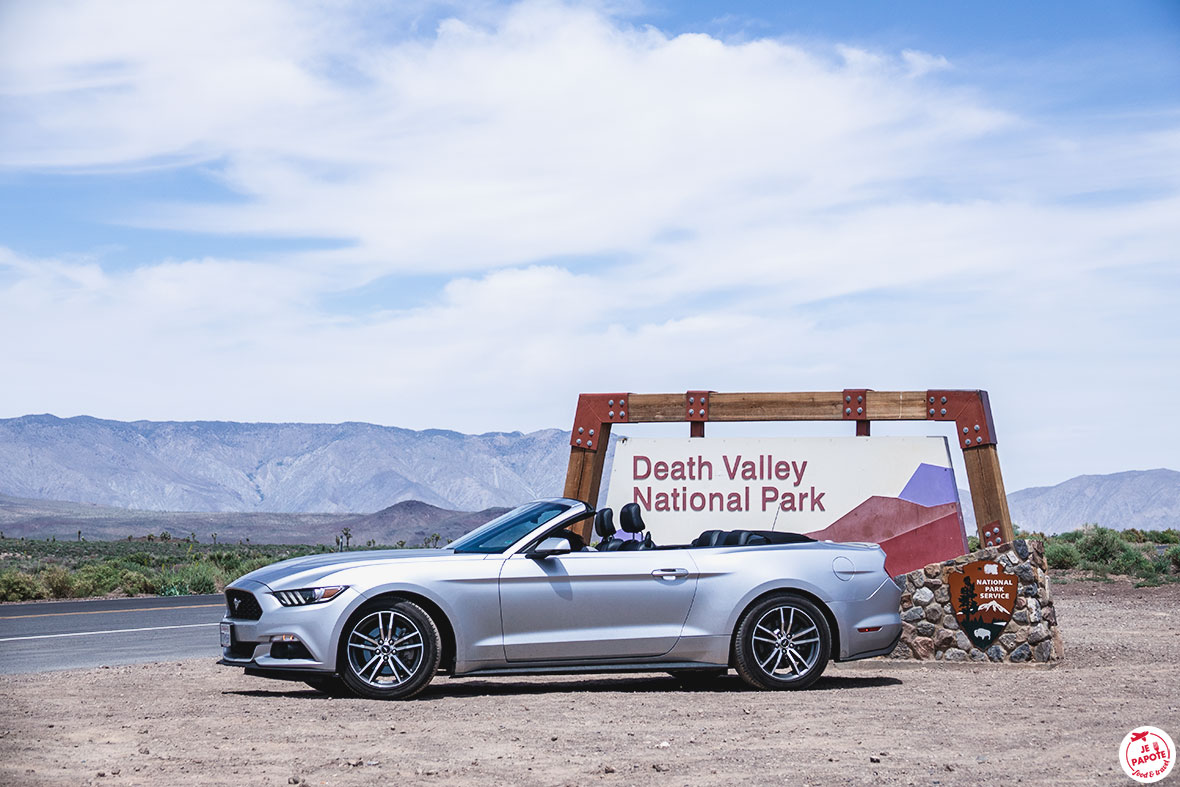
[[1134, 562], [1134, 536], [1173, 556], [137, 583], [19, 586], [1070, 536], [227, 561], [141, 559], [254, 564], [189, 578], [1169, 536], [58, 582], [97, 579], [1060, 555], [1102, 545], [972, 543]]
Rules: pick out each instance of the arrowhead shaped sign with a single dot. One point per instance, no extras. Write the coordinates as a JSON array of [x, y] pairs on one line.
[[983, 596]]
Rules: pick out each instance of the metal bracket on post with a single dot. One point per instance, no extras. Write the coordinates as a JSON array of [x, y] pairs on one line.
[[696, 411], [595, 410], [971, 412], [856, 409]]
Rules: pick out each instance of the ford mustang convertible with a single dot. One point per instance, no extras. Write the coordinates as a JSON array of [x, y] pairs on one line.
[[524, 594]]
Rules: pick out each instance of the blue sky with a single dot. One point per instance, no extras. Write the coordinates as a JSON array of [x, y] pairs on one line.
[[460, 215]]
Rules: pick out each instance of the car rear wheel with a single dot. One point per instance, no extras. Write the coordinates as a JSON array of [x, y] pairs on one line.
[[782, 642], [389, 650]]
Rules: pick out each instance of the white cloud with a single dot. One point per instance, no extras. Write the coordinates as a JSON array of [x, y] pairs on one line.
[[614, 208]]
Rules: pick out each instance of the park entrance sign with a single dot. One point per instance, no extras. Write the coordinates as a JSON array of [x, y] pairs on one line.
[[915, 540], [800, 485]]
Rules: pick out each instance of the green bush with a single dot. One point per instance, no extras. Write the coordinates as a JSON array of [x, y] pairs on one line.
[[97, 579], [972, 543], [253, 565], [1169, 536], [1134, 536], [227, 561], [1173, 556], [1133, 562], [1101, 545], [1069, 537], [137, 583], [19, 586], [198, 578], [1061, 555], [58, 582]]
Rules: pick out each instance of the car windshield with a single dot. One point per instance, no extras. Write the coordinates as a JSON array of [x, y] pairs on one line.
[[505, 530]]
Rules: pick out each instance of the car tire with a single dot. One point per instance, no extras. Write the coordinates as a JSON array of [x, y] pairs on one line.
[[782, 642], [389, 650]]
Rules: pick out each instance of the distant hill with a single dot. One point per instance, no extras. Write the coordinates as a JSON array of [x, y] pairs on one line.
[[270, 481], [1143, 499], [410, 521], [279, 468]]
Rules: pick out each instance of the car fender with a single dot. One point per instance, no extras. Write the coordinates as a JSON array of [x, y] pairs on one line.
[[786, 584]]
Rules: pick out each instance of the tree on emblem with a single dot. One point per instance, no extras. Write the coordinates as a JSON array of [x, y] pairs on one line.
[[967, 603]]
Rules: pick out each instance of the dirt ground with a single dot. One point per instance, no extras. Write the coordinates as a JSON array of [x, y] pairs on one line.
[[868, 722]]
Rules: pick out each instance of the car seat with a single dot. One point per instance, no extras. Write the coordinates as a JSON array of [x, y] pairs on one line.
[[631, 520], [604, 526], [741, 538], [710, 538]]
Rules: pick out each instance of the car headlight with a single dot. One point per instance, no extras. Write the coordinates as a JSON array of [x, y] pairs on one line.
[[299, 598]]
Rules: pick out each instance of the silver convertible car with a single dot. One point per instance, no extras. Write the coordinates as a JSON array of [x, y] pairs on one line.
[[524, 594]]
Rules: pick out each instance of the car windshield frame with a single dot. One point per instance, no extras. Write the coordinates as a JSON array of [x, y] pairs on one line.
[[497, 536]]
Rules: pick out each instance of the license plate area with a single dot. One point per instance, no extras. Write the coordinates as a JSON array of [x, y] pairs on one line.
[[227, 635]]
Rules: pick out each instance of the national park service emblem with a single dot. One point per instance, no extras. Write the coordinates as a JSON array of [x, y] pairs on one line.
[[983, 597]]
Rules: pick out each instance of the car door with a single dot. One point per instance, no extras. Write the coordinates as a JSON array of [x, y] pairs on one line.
[[595, 605]]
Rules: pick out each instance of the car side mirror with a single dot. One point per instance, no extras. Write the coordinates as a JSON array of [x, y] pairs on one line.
[[554, 545]]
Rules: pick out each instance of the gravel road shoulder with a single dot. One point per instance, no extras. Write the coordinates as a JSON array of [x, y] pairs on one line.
[[879, 722]]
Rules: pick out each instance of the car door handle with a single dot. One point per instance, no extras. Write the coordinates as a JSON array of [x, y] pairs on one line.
[[670, 573]]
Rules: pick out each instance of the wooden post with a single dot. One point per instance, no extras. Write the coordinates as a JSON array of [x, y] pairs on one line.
[[987, 495]]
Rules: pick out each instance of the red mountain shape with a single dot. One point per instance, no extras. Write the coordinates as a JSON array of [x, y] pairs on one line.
[[912, 535]]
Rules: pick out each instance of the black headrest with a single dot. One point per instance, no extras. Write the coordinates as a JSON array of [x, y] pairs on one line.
[[631, 518], [743, 538], [604, 523], [709, 538], [734, 538]]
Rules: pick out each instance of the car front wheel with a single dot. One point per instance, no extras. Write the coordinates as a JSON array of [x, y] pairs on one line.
[[782, 642], [390, 650]]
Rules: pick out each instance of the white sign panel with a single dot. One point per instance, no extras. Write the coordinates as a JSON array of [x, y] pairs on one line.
[[688, 485]]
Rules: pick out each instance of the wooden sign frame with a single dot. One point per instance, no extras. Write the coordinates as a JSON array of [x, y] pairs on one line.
[[970, 410]]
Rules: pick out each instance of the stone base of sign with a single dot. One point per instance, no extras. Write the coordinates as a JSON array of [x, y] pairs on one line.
[[931, 633]]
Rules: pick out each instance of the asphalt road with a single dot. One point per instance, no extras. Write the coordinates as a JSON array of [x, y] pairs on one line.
[[56, 635]]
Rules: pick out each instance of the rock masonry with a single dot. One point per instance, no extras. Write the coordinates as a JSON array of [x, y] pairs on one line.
[[929, 631]]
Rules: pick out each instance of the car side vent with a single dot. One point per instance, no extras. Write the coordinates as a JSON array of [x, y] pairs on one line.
[[242, 604]]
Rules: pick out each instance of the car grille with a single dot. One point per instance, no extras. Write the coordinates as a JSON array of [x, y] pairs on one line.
[[242, 605]]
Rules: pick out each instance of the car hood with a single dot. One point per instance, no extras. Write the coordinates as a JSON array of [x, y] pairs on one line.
[[304, 571]]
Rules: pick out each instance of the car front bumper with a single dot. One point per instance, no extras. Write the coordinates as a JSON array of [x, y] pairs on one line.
[[285, 639]]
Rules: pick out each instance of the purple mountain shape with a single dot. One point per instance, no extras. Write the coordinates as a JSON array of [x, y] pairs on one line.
[[931, 485]]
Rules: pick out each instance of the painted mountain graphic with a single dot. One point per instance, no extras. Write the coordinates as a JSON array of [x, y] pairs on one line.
[[911, 534], [992, 612]]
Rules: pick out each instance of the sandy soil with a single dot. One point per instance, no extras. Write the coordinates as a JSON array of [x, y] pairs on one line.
[[869, 722]]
